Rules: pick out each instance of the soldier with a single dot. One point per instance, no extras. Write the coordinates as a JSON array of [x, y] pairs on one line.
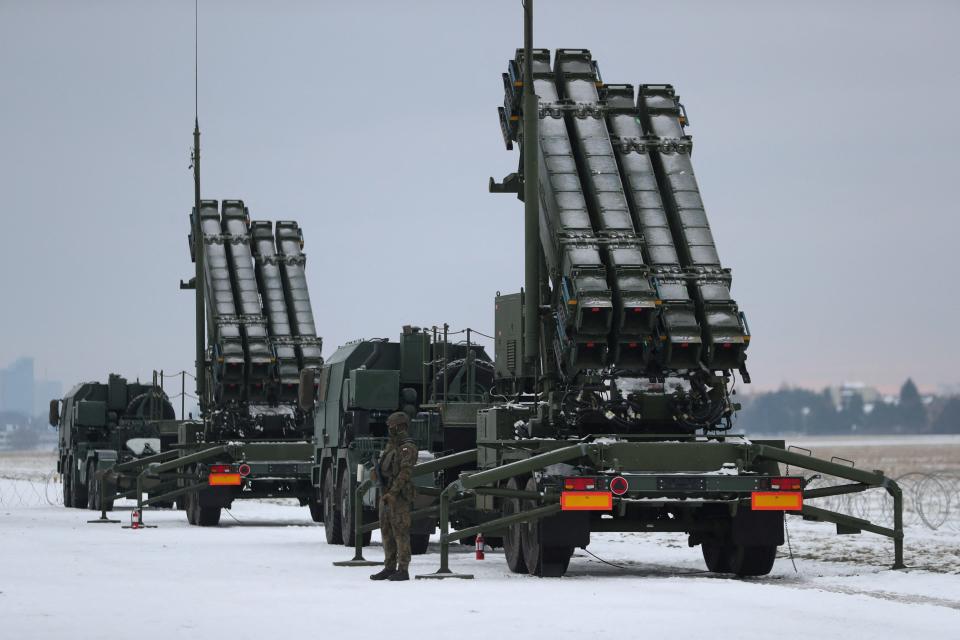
[[396, 468]]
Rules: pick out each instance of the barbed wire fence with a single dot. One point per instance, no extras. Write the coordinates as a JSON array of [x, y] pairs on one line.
[[930, 499]]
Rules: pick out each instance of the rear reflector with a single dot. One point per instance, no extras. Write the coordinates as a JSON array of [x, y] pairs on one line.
[[776, 501], [619, 486], [586, 501], [224, 479]]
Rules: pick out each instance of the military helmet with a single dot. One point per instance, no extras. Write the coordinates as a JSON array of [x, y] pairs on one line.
[[398, 419]]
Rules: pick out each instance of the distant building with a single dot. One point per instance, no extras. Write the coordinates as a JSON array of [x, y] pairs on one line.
[[16, 387], [843, 395]]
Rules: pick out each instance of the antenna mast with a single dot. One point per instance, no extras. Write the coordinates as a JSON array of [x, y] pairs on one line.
[[197, 230], [531, 201]]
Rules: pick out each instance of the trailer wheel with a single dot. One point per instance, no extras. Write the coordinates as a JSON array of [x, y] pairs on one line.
[[542, 561], [198, 515], [513, 540], [207, 516], [419, 543], [753, 560], [331, 510], [717, 556], [188, 500], [347, 517]]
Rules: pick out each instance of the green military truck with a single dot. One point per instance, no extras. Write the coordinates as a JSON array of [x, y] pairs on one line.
[[440, 384], [105, 425]]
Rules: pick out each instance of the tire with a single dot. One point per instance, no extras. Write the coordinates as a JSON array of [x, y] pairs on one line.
[[717, 556], [78, 493], [419, 543], [207, 516], [316, 509], [188, 506], [513, 540], [542, 561], [331, 509], [347, 517], [67, 485], [753, 561], [92, 489]]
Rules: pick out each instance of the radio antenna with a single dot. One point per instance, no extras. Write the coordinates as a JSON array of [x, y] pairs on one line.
[[197, 231]]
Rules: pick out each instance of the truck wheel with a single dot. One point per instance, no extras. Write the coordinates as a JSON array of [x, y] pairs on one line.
[[717, 556], [419, 543], [78, 493], [93, 491], [347, 517], [316, 507], [67, 488], [542, 561], [513, 540], [331, 509], [753, 560]]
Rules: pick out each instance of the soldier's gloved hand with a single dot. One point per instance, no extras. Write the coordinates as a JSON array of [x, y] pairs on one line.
[[388, 499]]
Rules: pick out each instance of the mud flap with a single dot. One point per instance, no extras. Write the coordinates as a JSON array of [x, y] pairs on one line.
[[757, 528], [570, 529]]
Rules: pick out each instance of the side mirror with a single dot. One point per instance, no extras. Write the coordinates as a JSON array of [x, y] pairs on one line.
[[305, 398], [54, 413]]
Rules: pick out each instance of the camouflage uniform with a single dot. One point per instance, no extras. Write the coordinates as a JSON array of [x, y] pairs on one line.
[[396, 466]]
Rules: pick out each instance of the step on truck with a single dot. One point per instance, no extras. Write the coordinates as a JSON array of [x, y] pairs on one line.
[[621, 353]]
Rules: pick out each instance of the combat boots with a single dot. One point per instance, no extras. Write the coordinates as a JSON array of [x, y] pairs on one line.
[[398, 575], [386, 573]]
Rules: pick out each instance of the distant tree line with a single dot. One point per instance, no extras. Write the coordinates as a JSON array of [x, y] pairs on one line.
[[795, 410]]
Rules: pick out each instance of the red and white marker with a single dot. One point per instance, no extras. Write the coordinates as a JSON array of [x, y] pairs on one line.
[[480, 546]]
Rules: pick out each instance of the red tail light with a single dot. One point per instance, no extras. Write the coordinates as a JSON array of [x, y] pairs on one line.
[[244, 470], [595, 309], [223, 468], [580, 484], [786, 484]]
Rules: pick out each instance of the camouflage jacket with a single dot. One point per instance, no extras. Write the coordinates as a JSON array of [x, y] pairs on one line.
[[396, 465]]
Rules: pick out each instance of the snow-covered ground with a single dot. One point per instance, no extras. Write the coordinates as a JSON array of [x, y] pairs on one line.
[[266, 572]]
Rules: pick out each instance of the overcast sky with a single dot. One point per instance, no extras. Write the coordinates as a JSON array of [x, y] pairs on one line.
[[826, 138]]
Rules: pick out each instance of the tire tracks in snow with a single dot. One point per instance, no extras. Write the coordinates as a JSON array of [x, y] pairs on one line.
[[662, 571]]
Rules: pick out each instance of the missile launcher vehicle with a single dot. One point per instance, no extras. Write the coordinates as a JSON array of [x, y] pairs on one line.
[[255, 339], [253, 440], [620, 354]]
